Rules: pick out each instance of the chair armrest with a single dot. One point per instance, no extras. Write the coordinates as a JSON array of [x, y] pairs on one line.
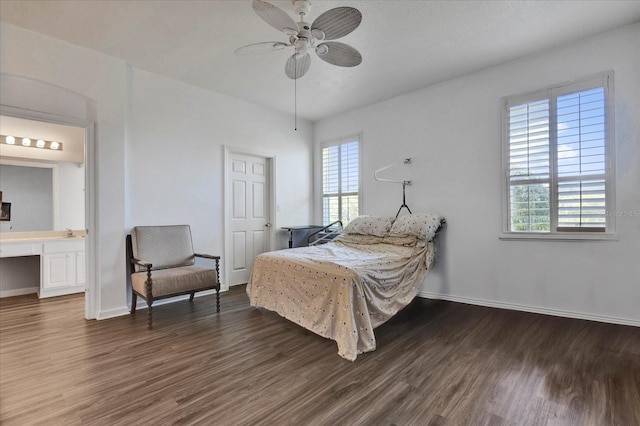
[[142, 263], [207, 256]]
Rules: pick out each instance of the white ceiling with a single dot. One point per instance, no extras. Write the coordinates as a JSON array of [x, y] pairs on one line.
[[406, 45]]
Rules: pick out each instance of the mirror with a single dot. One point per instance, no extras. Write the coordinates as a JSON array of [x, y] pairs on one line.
[[44, 188]]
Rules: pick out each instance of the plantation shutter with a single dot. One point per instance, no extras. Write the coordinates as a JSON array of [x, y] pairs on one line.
[[557, 159], [340, 181], [581, 151], [529, 166]]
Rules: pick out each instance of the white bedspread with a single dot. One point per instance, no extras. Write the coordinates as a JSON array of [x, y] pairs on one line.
[[340, 290]]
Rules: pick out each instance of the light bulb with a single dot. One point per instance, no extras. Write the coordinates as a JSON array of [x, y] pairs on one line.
[[40, 143], [10, 140], [54, 145], [26, 142]]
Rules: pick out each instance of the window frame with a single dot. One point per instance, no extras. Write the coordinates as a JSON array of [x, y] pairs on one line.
[[551, 93], [338, 142]]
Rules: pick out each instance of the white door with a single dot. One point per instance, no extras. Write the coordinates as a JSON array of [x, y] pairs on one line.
[[250, 226]]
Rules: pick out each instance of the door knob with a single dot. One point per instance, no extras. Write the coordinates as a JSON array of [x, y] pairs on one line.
[[268, 225]]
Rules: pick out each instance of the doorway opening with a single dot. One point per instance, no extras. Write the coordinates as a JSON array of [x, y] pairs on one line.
[[73, 186]]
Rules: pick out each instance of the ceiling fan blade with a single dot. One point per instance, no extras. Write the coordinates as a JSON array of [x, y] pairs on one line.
[[296, 68], [264, 47], [275, 17], [339, 54], [336, 23]]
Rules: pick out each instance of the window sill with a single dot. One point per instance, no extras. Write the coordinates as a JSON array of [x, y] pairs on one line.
[[560, 236]]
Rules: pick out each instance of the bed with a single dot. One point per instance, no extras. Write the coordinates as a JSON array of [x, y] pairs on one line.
[[344, 289]]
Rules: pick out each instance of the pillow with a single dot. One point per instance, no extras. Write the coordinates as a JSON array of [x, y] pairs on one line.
[[422, 226], [369, 225]]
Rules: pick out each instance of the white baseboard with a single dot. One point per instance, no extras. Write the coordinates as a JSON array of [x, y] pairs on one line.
[[143, 305], [112, 313], [18, 291], [528, 308], [61, 291]]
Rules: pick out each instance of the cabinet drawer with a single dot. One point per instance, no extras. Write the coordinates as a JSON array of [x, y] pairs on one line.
[[20, 249], [64, 246]]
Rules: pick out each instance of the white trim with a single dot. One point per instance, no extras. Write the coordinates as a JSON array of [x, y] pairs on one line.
[[112, 313], [531, 309], [92, 297], [559, 236], [19, 292], [62, 291], [141, 304], [270, 160]]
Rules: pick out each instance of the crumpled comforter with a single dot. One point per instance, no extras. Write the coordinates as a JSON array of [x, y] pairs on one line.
[[340, 290]]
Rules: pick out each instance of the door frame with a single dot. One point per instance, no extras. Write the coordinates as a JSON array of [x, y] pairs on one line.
[[92, 295], [270, 160]]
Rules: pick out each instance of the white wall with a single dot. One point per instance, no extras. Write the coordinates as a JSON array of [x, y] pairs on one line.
[[138, 117], [46, 75], [175, 158], [452, 132], [70, 202]]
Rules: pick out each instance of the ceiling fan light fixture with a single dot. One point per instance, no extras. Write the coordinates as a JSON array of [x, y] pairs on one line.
[[318, 34], [322, 49], [330, 25]]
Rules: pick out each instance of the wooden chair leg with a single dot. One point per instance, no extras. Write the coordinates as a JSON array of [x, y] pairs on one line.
[[191, 297], [218, 299], [149, 314], [134, 301]]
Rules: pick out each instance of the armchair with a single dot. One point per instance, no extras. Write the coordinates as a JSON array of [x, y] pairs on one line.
[[163, 265]]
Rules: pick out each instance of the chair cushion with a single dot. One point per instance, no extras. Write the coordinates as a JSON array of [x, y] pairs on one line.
[[163, 246], [175, 280]]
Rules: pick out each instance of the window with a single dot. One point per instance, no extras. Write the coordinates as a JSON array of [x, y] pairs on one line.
[[341, 180], [558, 159]]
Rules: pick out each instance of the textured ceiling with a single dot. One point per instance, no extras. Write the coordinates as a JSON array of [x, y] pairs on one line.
[[406, 45]]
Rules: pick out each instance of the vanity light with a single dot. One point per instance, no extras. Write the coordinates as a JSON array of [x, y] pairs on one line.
[[26, 142]]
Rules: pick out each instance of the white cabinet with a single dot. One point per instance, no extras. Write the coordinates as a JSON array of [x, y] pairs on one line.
[[59, 270], [62, 270], [62, 259]]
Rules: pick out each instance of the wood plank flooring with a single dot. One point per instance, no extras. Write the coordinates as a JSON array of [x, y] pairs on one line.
[[437, 363]]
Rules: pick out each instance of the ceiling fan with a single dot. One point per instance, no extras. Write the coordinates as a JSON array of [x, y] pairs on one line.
[[330, 25]]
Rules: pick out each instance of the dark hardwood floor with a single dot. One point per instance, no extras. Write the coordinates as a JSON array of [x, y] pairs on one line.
[[437, 363]]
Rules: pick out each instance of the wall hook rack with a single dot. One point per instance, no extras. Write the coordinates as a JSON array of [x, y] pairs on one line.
[[403, 182]]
